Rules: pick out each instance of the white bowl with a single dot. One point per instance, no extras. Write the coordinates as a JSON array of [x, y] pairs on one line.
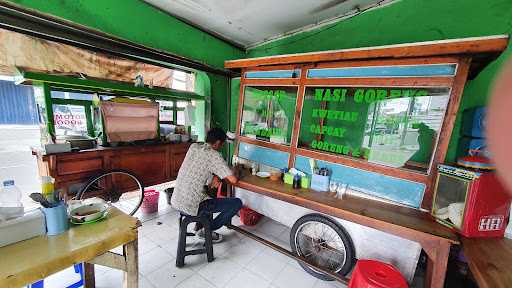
[[88, 212], [174, 137], [263, 174]]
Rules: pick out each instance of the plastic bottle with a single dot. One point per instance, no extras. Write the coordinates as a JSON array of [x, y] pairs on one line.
[[283, 171], [296, 181], [10, 195], [47, 187]]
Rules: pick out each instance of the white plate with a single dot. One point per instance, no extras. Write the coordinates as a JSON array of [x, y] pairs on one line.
[[88, 212], [263, 174]]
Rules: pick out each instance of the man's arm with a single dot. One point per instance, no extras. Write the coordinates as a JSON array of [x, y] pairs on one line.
[[220, 168]]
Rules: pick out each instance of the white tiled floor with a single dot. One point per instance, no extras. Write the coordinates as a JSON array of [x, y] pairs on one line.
[[239, 261]]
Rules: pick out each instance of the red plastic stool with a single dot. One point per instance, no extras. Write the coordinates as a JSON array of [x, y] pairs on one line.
[[375, 274]]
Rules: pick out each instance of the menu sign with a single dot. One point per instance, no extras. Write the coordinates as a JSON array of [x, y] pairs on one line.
[[385, 125]]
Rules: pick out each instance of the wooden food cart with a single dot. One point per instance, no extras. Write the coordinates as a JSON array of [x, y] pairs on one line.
[[152, 161], [380, 119], [153, 164]]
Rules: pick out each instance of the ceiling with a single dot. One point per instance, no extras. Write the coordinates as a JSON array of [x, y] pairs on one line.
[[250, 22]]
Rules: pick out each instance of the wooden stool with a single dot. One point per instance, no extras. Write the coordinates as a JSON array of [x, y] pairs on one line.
[[184, 221]]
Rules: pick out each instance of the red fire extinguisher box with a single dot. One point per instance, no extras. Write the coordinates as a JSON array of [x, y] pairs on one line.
[[474, 203]]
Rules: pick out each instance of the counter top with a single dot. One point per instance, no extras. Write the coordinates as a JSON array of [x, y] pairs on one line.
[[39, 152], [399, 220], [30, 260]]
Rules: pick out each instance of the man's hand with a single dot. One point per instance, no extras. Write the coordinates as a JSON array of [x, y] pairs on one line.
[[237, 171], [232, 179]]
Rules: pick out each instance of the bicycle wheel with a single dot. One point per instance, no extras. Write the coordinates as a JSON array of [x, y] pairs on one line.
[[323, 243], [120, 188]]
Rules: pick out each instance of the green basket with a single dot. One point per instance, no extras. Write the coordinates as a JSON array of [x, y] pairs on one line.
[[288, 178]]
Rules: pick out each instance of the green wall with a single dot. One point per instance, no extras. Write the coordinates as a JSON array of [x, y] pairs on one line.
[[401, 22], [412, 21], [139, 22]]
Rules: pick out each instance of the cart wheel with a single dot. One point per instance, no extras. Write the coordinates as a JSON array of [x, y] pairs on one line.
[[120, 188], [324, 243]]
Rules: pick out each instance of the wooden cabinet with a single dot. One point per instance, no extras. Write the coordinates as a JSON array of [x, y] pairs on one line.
[[177, 160], [152, 164]]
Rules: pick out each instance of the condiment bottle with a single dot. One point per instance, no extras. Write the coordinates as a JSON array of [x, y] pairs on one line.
[[254, 168], [296, 181], [283, 171], [47, 187]]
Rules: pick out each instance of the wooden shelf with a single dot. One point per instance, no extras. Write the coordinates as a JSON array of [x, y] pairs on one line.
[[67, 83], [406, 222], [490, 260]]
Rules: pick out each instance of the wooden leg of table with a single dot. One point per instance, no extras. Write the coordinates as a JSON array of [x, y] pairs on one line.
[[437, 253], [131, 276], [89, 280]]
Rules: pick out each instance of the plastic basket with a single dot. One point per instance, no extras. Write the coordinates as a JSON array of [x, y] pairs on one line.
[[150, 202], [249, 217]]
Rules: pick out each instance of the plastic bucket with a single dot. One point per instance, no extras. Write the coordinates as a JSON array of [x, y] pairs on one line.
[[56, 219], [376, 274], [150, 201]]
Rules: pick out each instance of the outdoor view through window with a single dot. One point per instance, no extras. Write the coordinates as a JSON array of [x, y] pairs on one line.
[[268, 113], [396, 127]]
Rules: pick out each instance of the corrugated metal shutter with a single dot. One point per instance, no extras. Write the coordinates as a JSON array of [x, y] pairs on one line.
[[17, 104]]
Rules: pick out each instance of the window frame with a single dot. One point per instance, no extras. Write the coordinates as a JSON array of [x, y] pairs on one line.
[[268, 144], [84, 103], [174, 110]]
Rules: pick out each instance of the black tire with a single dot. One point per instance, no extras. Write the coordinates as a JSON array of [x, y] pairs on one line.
[[349, 260], [92, 180]]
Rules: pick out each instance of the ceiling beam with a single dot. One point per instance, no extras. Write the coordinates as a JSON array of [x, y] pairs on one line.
[[490, 46]]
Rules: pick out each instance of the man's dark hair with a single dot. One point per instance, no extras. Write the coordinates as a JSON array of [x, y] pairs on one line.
[[215, 134]]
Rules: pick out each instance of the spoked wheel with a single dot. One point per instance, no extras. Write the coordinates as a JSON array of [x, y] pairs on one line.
[[323, 243], [120, 188]]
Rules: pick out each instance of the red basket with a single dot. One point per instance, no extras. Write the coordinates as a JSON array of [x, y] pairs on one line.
[[249, 217], [150, 202]]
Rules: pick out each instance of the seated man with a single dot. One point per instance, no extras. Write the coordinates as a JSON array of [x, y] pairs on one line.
[[201, 163]]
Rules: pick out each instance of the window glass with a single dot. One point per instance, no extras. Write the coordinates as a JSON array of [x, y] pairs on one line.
[[180, 117], [71, 95], [268, 113], [396, 127], [181, 80], [178, 85], [166, 111], [69, 120], [182, 104], [179, 75]]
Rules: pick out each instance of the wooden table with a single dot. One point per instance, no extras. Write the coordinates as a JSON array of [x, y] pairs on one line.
[[404, 222], [490, 261], [28, 261]]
